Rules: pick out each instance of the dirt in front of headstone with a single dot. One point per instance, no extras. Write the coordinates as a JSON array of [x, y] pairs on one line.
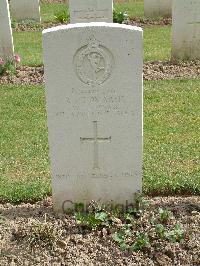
[[25, 75], [145, 22], [137, 21], [168, 233], [157, 70], [34, 26]]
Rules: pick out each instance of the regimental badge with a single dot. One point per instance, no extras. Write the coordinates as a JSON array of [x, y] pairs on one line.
[[93, 63]]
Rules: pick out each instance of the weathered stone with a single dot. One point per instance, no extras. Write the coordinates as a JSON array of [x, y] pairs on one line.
[[6, 40], [186, 30], [94, 103], [25, 9], [158, 8], [91, 11]]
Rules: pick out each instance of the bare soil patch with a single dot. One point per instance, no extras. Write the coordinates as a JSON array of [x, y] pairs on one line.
[[35, 27], [25, 75], [144, 22], [139, 22], [71, 246], [157, 70]]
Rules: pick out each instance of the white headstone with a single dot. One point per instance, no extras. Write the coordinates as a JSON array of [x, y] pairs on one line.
[[158, 8], [6, 40], [186, 29], [91, 11], [25, 9], [94, 102]]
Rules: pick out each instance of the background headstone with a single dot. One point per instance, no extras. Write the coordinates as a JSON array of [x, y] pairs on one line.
[[25, 9], [94, 103], [6, 40], [158, 8], [186, 29], [91, 11]]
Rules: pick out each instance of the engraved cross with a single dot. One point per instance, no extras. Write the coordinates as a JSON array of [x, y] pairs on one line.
[[96, 140]]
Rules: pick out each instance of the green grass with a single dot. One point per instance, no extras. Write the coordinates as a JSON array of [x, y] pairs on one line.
[[157, 39], [157, 45], [171, 137], [49, 10], [24, 165], [29, 46], [134, 8], [171, 147]]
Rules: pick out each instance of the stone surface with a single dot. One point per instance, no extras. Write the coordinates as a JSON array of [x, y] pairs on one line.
[[94, 104], [91, 11], [158, 8], [25, 9], [186, 30], [6, 40]]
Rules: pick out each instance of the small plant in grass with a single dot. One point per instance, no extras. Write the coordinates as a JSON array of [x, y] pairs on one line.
[[41, 233], [165, 215], [140, 202], [140, 205], [124, 237], [121, 237], [30, 22], [62, 16], [141, 242], [95, 217], [176, 235], [9, 66], [89, 221], [14, 24], [26, 23], [129, 218], [160, 231], [2, 219], [119, 17], [126, 228]]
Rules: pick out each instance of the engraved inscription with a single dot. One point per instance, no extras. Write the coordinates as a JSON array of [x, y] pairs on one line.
[[96, 140], [91, 13], [104, 101], [96, 175], [93, 63]]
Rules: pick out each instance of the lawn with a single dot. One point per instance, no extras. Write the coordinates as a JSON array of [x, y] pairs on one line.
[[171, 133], [157, 39], [171, 149], [171, 122], [48, 11], [171, 167], [23, 141], [29, 46], [157, 45], [135, 8]]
